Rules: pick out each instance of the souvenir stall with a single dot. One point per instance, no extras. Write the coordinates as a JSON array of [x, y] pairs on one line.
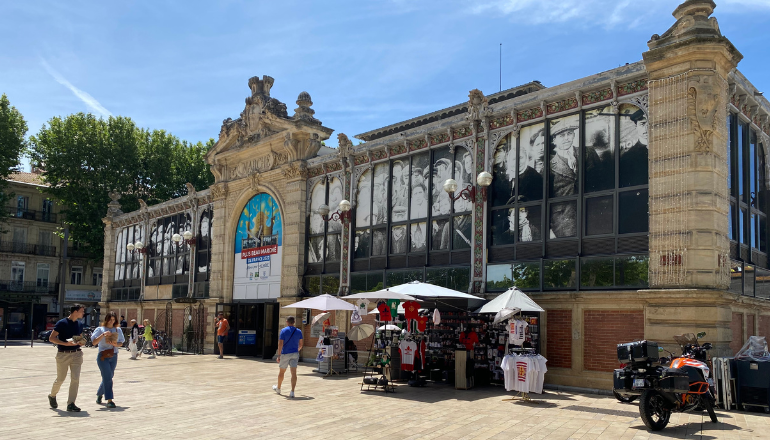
[[331, 344]]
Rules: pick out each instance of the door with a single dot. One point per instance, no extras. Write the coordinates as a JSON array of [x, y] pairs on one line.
[[17, 276], [231, 315], [270, 331], [248, 330], [19, 240]]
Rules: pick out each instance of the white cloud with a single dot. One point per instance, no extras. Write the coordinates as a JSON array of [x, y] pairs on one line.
[[87, 99]]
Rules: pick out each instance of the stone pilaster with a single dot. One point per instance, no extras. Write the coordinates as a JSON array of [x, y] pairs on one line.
[[294, 195]]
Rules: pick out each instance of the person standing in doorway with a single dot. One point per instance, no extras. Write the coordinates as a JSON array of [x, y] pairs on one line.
[[222, 328], [108, 338], [123, 323], [289, 345], [69, 355], [134, 340], [148, 338]]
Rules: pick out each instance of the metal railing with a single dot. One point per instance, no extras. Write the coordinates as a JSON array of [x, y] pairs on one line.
[[16, 247], [28, 214], [29, 287]]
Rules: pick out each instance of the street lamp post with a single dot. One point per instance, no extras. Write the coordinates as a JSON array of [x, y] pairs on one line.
[[342, 215], [468, 193]]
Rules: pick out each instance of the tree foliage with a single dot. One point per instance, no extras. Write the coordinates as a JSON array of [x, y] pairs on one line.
[[83, 158], [13, 130]]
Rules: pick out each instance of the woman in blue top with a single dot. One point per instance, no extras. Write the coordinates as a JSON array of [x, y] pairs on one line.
[[109, 338]]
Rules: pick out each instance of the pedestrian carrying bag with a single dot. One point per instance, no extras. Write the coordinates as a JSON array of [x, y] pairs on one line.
[[106, 354]]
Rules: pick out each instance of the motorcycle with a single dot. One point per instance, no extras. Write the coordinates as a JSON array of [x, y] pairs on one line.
[[665, 385]]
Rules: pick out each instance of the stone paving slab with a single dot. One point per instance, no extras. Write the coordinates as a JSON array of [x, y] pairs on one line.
[[201, 397]]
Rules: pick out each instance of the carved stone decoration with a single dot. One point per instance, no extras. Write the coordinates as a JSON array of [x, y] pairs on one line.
[[345, 146], [702, 100], [142, 205], [295, 170], [254, 182], [303, 112], [615, 107], [642, 101], [478, 106], [219, 191], [190, 189], [113, 208]]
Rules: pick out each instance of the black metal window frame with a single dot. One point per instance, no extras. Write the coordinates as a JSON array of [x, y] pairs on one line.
[[165, 261], [203, 246], [127, 264], [325, 265]]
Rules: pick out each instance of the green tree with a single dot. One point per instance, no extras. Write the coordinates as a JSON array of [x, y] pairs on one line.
[[84, 158], [13, 144]]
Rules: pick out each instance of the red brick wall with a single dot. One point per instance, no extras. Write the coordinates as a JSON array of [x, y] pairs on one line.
[[750, 329], [764, 326], [559, 336], [131, 314], [736, 325], [603, 330]]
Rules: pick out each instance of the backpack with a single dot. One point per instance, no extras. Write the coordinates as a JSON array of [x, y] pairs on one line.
[[154, 333]]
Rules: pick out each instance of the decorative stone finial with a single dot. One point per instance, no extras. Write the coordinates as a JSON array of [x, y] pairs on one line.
[[261, 87], [692, 21], [113, 208], [478, 105], [304, 112], [695, 7], [345, 146]]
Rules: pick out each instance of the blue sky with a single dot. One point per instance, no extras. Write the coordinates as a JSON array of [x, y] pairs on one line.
[[184, 66]]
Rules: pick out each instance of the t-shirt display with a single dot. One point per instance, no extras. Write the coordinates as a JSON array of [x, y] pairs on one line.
[[408, 351], [422, 323], [411, 308], [393, 305], [384, 309], [363, 306], [524, 373], [469, 339]]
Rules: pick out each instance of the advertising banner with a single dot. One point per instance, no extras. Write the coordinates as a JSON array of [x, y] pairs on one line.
[[258, 250]]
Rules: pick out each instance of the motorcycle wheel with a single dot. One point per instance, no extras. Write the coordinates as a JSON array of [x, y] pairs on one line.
[[653, 411], [708, 404], [622, 398]]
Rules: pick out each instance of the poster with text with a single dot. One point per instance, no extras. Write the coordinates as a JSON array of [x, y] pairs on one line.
[[258, 250]]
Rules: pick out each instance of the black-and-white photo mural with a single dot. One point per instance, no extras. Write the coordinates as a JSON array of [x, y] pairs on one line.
[[317, 198], [502, 182], [440, 234], [361, 244], [315, 251], [599, 159], [462, 232], [633, 146], [380, 194], [335, 197], [398, 240], [530, 167], [563, 179], [418, 187], [399, 201], [464, 175], [364, 199], [529, 225], [442, 170], [417, 235]]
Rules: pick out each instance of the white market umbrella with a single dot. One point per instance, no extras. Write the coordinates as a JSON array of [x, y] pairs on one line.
[[381, 294], [504, 315], [512, 298], [359, 332], [321, 317], [323, 302], [427, 290], [388, 327]]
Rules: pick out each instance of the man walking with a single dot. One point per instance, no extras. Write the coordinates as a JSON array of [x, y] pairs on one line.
[[289, 345], [222, 328], [68, 356]]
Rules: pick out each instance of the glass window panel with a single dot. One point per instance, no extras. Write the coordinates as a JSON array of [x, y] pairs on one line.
[[730, 221], [120, 249], [499, 277], [597, 272], [418, 205], [317, 198], [736, 277], [442, 170], [762, 284], [464, 175], [740, 158], [364, 199], [503, 167], [379, 242], [753, 166], [157, 240], [440, 235], [413, 275], [599, 160], [333, 247], [633, 146], [394, 279], [762, 180], [398, 240], [358, 283], [335, 197], [530, 223], [633, 215], [762, 234], [330, 285], [531, 160], [564, 219], [437, 276], [729, 151], [748, 284], [742, 227], [564, 140], [374, 281], [315, 251], [599, 215], [168, 243], [203, 262], [204, 236], [526, 275], [459, 279], [399, 181], [417, 233], [754, 233], [462, 232], [361, 245], [559, 273], [503, 226], [380, 194], [632, 271]]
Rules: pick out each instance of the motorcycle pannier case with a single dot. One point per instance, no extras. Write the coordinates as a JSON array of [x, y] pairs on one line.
[[675, 384], [640, 351], [622, 381]]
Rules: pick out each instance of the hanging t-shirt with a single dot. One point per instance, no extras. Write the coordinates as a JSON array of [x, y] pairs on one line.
[[363, 306], [355, 318], [469, 339], [384, 311], [393, 304], [422, 323], [436, 317], [516, 331], [410, 312], [408, 350], [523, 371], [541, 370]]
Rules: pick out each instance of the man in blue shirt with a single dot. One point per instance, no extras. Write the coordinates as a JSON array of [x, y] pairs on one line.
[[289, 345], [68, 356]]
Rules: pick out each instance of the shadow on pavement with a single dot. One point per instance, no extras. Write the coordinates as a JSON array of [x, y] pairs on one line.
[[607, 411], [116, 409], [64, 413]]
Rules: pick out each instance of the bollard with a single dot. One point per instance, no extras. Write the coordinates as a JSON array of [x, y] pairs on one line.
[[6, 338], [32, 339]]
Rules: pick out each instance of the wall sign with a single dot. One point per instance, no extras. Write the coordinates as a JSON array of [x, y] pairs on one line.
[[258, 250]]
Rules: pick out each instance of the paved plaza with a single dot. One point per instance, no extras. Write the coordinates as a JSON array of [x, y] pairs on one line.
[[202, 397]]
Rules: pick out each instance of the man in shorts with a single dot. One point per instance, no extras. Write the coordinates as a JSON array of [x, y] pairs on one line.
[[289, 345], [222, 328]]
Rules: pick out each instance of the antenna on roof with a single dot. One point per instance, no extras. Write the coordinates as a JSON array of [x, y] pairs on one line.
[[501, 67]]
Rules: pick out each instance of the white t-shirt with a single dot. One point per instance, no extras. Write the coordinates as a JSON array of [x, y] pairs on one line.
[[408, 350], [363, 306], [436, 317], [516, 331], [541, 370]]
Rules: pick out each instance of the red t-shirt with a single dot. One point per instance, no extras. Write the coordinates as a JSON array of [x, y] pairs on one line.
[[384, 311], [469, 339], [422, 321]]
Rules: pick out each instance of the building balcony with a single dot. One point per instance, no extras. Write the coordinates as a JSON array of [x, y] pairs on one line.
[[28, 214], [14, 247], [29, 287]]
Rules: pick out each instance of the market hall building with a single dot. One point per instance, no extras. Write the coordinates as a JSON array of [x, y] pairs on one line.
[[630, 204]]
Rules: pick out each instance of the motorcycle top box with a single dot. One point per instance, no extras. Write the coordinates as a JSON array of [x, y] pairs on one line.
[[637, 352]]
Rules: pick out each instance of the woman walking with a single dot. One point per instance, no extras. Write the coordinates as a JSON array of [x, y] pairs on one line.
[[148, 338], [109, 338], [134, 339]]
